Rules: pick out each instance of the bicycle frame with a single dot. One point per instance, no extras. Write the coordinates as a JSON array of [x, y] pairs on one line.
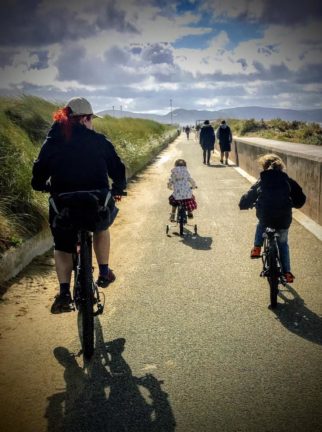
[[272, 267], [85, 294], [78, 294]]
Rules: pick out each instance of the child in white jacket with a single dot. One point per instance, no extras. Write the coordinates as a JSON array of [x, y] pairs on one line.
[[181, 182]]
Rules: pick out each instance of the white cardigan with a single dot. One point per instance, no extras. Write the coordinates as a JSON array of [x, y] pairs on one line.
[[181, 182]]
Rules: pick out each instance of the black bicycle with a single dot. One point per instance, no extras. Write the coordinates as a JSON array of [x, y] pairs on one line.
[[83, 210], [182, 219], [272, 267]]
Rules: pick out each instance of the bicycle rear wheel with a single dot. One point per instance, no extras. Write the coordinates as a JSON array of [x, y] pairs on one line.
[[181, 220], [273, 275], [86, 313]]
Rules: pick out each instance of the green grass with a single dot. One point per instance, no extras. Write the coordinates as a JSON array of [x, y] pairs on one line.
[[277, 129], [24, 123]]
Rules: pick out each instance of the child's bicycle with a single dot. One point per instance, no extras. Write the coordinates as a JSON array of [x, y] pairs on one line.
[[181, 218], [272, 267]]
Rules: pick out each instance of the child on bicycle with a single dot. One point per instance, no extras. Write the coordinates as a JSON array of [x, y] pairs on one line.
[[274, 194], [181, 182]]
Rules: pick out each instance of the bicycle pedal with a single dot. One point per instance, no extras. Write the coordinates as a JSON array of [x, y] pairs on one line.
[[100, 309]]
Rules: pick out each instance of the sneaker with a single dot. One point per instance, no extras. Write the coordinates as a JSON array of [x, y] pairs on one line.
[[255, 252], [104, 281], [221, 161], [62, 303], [289, 277], [226, 162]]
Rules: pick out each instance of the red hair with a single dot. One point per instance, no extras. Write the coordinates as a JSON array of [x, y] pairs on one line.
[[67, 120]]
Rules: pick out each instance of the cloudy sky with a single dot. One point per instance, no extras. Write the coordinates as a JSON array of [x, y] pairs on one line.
[[139, 54]]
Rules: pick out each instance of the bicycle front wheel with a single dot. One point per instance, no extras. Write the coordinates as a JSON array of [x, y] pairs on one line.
[[273, 275], [86, 313]]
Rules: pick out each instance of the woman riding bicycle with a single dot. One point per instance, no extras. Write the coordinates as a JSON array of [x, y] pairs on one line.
[[274, 195], [181, 182], [76, 158]]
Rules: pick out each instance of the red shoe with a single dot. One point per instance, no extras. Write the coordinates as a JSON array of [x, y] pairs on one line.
[[255, 252], [289, 277]]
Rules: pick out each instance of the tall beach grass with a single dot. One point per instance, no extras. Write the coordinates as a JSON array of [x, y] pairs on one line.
[[24, 123]]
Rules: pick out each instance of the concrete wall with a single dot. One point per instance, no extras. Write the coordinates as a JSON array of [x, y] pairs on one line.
[[303, 164]]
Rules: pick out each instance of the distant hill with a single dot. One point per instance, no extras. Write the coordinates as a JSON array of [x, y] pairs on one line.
[[183, 117]]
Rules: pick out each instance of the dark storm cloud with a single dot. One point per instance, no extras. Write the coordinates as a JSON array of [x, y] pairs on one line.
[[111, 17], [136, 50], [42, 62], [243, 63], [26, 23], [7, 57], [128, 64], [309, 74], [291, 12], [274, 72], [157, 54], [115, 67]]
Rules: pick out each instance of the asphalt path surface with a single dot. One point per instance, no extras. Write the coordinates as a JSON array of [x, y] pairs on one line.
[[187, 342]]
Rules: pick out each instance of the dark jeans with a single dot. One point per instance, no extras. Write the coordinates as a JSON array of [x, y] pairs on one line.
[[206, 155], [282, 244]]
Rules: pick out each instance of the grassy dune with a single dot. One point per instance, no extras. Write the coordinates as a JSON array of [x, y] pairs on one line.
[[277, 129], [24, 123]]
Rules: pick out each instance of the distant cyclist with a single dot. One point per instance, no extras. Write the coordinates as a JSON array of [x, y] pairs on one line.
[[274, 195], [76, 158]]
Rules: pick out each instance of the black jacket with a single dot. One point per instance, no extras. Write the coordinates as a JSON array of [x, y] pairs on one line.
[[83, 163], [224, 135], [207, 137], [274, 195]]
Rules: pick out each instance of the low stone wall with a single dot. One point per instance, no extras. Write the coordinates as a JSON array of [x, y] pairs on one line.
[[16, 259], [303, 164]]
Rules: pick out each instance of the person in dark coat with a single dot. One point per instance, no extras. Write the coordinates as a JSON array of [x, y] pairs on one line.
[[76, 158], [224, 137], [274, 194], [207, 140]]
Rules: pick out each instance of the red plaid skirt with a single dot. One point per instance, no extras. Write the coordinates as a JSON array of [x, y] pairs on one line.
[[189, 204]]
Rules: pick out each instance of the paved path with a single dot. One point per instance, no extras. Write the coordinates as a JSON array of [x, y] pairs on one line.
[[187, 342]]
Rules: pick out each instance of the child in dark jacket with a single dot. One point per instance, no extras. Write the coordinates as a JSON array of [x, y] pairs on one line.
[[274, 195]]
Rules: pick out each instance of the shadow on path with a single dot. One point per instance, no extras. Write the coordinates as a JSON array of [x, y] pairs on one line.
[[297, 318], [214, 165], [105, 396], [195, 241]]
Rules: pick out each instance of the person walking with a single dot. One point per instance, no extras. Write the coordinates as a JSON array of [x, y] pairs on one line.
[[207, 140], [224, 137], [187, 130], [76, 158]]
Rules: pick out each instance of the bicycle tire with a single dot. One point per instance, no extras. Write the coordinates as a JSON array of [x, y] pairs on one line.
[[273, 275], [86, 305], [181, 221]]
